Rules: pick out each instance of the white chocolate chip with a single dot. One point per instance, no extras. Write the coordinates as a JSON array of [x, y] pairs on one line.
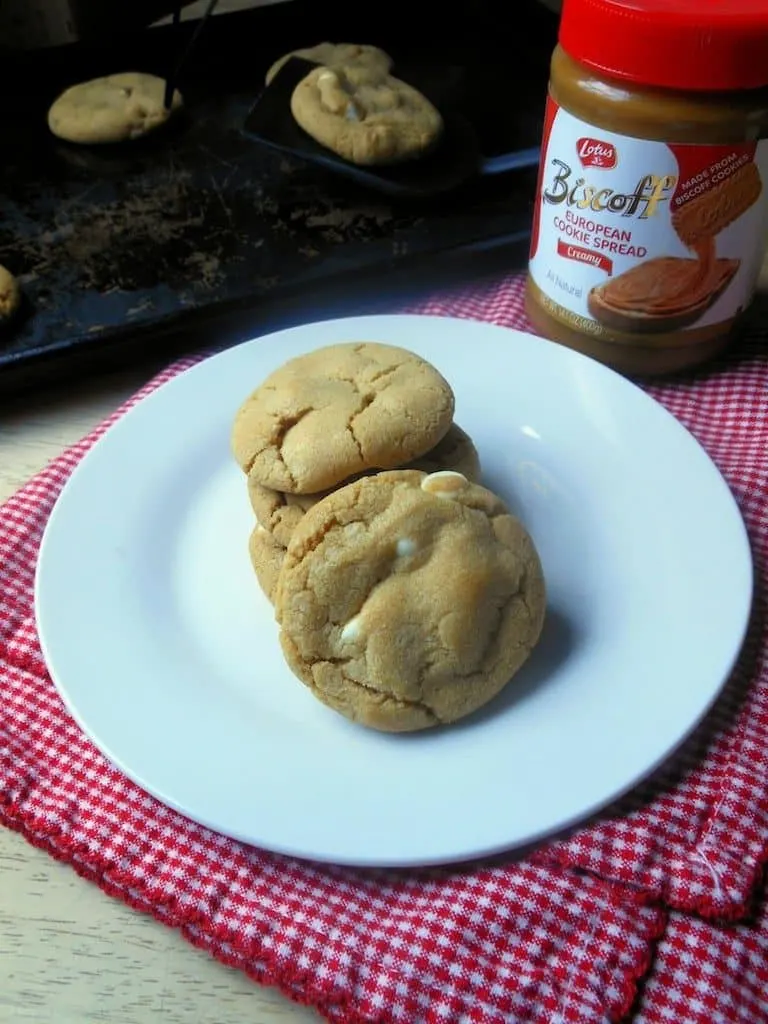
[[352, 112], [444, 484], [333, 95], [406, 546], [351, 631]]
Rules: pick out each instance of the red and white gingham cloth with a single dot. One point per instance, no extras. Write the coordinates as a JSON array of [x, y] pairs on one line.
[[560, 938], [707, 973]]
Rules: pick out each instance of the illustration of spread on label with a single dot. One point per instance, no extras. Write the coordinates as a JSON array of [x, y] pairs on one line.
[[639, 237]]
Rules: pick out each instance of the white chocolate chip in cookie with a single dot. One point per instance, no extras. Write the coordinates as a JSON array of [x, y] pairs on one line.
[[405, 547], [352, 630], [333, 95], [444, 484]]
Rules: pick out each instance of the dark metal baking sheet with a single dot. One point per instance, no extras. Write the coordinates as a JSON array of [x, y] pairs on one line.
[[115, 244]]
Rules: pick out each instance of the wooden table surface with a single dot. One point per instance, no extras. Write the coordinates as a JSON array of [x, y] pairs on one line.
[[70, 954]]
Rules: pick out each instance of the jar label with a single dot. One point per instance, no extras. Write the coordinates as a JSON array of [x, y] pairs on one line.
[[643, 237]]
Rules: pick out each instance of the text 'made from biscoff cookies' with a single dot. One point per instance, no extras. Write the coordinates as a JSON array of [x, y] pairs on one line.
[[420, 559]]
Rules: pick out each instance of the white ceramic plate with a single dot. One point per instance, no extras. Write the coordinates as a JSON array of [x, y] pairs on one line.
[[166, 653]]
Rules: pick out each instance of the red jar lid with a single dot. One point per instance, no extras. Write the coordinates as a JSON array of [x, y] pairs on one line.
[[695, 45]]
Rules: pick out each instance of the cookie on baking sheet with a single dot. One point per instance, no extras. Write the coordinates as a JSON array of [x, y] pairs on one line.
[[338, 411], [10, 295], [408, 599], [356, 58], [281, 513], [111, 109], [266, 558], [375, 121]]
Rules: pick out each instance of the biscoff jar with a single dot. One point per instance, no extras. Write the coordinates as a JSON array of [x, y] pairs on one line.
[[651, 212]]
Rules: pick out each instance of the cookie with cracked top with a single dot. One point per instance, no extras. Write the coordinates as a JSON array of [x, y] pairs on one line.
[[407, 599], [281, 513], [339, 411]]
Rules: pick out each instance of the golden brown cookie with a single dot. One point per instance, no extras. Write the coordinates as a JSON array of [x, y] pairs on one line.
[[379, 120], [281, 513], [10, 295], [111, 109], [266, 558], [408, 599], [356, 58], [338, 411]]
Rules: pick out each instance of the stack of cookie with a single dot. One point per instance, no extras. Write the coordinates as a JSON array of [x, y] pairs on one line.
[[279, 512], [406, 593]]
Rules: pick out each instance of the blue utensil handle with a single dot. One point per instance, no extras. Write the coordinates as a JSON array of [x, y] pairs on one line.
[[510, 161]]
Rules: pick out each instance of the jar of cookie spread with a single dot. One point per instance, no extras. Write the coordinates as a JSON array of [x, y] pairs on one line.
[[651, 213]]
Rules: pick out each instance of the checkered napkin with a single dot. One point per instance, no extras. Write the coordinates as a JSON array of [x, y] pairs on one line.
[[709, 974], [532, 942]]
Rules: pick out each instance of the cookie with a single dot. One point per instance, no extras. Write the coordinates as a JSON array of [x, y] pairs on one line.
[[455, 451], [353, 57], [112, 109], [281, 513], [409, 599], [339, 411], [10, 295], [266, 558], [377, 121]]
